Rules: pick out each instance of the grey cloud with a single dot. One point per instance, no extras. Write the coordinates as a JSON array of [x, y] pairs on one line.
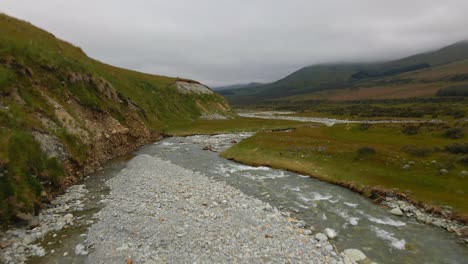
[[225, 41]]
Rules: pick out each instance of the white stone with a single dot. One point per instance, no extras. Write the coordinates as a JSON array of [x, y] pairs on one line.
[[80, 250], [68, 218], [354, 255], [396, 211], [330, 233]]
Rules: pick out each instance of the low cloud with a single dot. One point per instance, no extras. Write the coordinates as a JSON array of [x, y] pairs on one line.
[[223, 42]]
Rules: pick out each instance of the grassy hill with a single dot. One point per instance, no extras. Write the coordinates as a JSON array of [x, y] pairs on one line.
[[420, 75], [63, 114]]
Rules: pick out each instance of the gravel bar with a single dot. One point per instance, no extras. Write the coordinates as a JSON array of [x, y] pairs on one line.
[[158, 212]]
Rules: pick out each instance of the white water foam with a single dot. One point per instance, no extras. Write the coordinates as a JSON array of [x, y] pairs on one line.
[[351, 204], [301, 205], [320, 197], [399, 244], [349, 219], [353, 221], [385, 221], [301, 197], [246, 171]]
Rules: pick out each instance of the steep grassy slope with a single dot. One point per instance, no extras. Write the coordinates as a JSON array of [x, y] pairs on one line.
[[441, 68], [63, 114]]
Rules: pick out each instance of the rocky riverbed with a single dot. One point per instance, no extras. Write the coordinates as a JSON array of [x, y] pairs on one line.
[[286, 115], [19, 244], [158, 212]]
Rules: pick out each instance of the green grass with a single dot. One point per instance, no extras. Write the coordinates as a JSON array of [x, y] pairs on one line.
[[335, 154], [35, 68], [235, 125], [21, 176]]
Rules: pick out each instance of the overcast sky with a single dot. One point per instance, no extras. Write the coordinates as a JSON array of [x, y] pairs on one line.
[[223, 42]]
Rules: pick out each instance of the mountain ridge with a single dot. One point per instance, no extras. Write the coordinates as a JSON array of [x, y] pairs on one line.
[[335, 76]]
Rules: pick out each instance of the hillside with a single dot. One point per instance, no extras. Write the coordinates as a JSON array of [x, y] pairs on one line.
[[63, 114], [237, 86], [420, 75]]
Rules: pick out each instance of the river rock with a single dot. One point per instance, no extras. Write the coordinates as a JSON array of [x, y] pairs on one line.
[[68, 218], [24, 216], [396, 211], [80, 250], [330, 233], [443, 171], [406, 167], [354, 255], [321, 237], [463, 173]]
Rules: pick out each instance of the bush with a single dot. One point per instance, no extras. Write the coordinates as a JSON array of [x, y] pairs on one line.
[[410, 130], [366, 151], [463, 160], [454, 133], [457, 148], [454, 91], [417, 151], [364, 126]]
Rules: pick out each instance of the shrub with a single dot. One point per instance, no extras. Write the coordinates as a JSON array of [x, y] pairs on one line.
[[463, 160], [410, 130], [454, 133], [457, 148], [364, 126], [453, 91], [417, 151], [366, 151]]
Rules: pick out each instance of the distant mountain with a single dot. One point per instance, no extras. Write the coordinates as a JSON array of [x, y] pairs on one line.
[[237, 86], [353, 76]]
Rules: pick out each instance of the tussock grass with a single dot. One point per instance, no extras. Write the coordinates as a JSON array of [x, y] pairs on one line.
[[332, 154], [235, 125]]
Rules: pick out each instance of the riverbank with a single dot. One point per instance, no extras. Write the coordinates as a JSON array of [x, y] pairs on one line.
[[336, 155]]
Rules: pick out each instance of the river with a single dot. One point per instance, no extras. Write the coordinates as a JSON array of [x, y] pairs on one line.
[[360, 223]]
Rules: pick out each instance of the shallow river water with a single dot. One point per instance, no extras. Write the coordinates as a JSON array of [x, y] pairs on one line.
[[360, 223]]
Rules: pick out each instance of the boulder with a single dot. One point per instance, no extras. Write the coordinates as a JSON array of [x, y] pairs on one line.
[[443, 171], [406, 167], [321, 237], [330, 233], [24, 216], [396, 211], [354, 255]]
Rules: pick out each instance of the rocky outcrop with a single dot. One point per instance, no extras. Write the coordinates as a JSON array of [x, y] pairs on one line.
[[192, 87]]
